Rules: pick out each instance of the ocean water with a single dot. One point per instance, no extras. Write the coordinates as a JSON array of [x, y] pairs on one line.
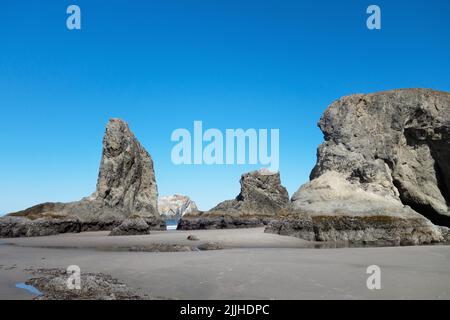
[[171, 224]]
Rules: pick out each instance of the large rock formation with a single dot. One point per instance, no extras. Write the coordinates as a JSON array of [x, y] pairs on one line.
[[383, 167], [127, 178], [175, 206], [261, 197], [126, 187]]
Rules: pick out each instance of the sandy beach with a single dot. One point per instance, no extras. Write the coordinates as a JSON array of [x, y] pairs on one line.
[[251, 265]]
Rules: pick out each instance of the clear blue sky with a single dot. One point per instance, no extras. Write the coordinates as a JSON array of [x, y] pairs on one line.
[[162, 64]]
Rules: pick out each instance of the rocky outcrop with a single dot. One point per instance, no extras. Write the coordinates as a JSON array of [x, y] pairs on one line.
[[329, 208], [126, 187], [131, 227], [224, 221], [175, 206], [261, 197], [52, 283], [382, 168], [13, 227]]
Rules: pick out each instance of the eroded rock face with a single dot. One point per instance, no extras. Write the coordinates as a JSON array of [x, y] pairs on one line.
[[445, 233], [126, 187], [176, 206], [13, 227], [381, 152], [330, 208], [127, 178], [395, 143], [262, 196], [261, 193]]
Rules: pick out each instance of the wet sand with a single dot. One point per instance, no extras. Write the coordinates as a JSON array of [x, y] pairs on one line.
[[253, 265]]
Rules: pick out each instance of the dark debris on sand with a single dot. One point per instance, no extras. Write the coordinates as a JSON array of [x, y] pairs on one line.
[[94, 286]]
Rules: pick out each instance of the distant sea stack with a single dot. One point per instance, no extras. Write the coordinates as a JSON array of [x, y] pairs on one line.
[[176, 206], [262, 196], [382, 173], [126, 188]]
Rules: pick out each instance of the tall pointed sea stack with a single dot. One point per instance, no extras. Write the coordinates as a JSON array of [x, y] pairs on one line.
[[126, 188], [126, 179]]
